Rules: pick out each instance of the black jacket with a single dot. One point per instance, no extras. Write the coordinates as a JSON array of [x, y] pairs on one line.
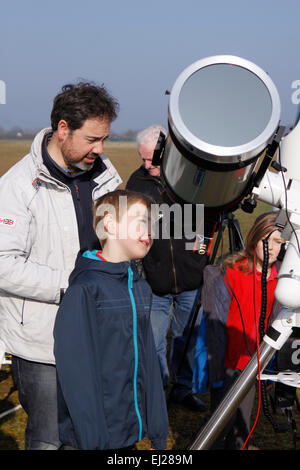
[[169, 267], [110, 392]]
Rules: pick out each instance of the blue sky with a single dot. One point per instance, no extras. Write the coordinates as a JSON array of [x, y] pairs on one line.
[[137, 49]]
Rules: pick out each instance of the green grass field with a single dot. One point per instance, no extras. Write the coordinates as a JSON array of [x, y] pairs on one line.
[[183, 424]]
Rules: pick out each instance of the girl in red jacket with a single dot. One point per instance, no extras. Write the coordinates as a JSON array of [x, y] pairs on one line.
[[231, 300], [240, 270]]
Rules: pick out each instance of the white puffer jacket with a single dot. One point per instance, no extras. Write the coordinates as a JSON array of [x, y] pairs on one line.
[[38, 247]]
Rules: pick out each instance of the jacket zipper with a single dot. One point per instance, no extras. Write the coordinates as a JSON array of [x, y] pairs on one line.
[[77, 192], [134, 313], [173, 266]]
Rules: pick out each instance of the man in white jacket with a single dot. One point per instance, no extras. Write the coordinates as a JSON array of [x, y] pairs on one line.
[[46, 204]]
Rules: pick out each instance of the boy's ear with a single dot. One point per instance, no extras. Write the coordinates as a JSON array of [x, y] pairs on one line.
[[110, 225]]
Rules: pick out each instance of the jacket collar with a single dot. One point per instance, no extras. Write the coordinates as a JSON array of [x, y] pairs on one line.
[[87, 261]]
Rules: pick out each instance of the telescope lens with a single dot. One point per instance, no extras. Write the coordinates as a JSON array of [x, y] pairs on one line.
[[225, 105], [223, 112]]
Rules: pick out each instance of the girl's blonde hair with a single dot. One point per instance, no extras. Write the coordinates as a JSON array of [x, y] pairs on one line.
[[263, 225]]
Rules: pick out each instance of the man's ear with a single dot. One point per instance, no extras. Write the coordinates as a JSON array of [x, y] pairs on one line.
[[63, 130]]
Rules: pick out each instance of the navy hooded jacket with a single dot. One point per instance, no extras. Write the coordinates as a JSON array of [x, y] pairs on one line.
[[110, 393]]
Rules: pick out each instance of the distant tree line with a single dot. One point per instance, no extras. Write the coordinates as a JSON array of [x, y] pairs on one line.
[[17, 132], [129, 135]]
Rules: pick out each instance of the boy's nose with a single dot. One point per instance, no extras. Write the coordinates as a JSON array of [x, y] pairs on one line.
[[145, 236]]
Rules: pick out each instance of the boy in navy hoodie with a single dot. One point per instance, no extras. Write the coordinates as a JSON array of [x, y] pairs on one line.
[[110, 393]]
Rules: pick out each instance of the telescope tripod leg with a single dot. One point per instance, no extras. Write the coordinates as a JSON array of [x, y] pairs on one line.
[[281, 329]]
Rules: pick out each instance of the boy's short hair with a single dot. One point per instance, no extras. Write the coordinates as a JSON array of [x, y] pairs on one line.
[[113, 203]]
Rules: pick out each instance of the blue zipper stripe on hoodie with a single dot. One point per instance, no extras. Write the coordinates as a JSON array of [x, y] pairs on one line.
[[135, 349], [92, 255]]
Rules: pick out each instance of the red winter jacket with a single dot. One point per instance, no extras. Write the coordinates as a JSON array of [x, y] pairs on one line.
[[245, 302]]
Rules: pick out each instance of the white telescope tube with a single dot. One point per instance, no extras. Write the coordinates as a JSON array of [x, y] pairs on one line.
[[273, 191], [290, 151], [288, 286]]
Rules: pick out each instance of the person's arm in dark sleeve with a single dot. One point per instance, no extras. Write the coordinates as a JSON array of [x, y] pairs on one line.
[[216, 301], [157, 415], [77, 360]]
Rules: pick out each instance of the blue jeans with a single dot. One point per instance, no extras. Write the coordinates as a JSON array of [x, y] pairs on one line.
[[162, 318], [36, 384]]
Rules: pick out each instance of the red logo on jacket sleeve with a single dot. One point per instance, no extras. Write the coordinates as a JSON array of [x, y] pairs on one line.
[[7, 221]]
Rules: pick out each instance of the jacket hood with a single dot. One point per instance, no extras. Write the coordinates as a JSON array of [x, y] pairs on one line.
[[88, 261], [36, 148]]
